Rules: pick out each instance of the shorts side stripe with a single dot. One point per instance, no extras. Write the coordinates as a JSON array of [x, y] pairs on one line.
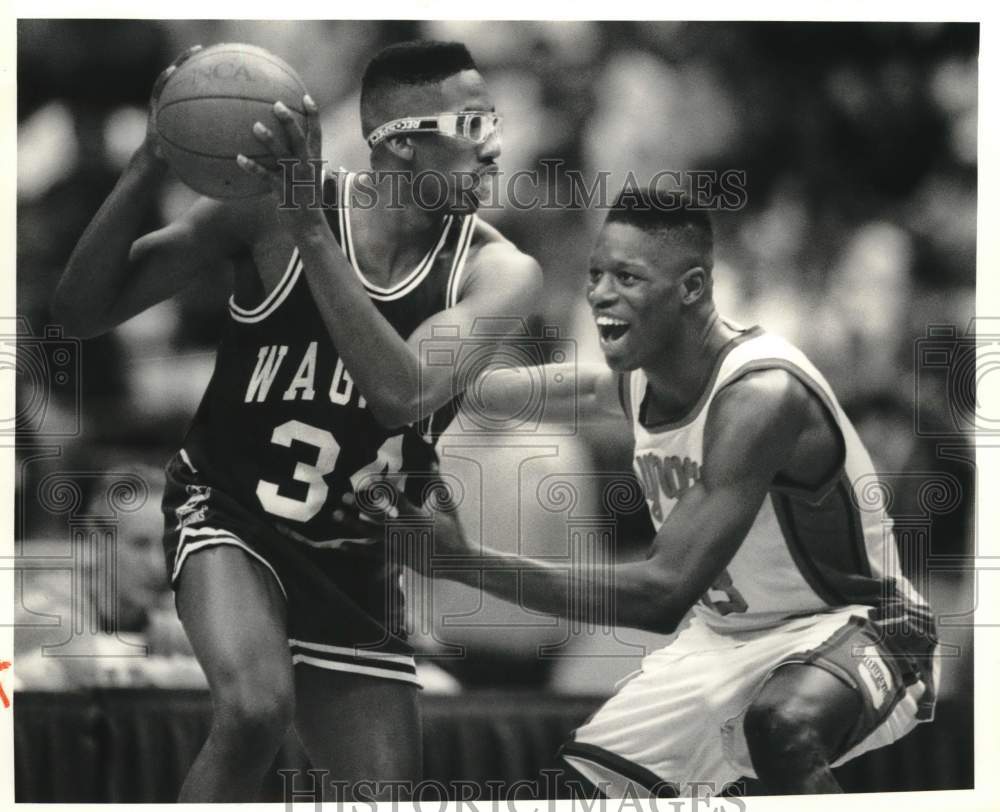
[[354, 659], [355, 668], [187, 461], [354, 653], [216, 538], [629, 770]]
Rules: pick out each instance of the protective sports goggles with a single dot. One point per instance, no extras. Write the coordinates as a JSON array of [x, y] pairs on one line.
[[476, 126]]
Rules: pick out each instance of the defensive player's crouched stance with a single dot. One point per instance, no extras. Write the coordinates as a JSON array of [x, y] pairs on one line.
[[797, 643], [319, 383]]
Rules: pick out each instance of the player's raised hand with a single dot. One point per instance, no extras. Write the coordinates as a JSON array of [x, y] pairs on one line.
[[294, 155], [151, 143]]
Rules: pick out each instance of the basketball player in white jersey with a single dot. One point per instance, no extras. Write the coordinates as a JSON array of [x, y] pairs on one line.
[[317, 382], [797, 642]]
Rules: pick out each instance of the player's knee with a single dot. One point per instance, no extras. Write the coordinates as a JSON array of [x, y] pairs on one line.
[[251, 718], [783, 733], [255, 708]]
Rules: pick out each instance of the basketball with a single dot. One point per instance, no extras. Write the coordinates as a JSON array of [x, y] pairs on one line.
[[206, 111]]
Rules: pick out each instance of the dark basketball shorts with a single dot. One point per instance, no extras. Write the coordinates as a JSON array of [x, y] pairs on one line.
[[344, 605]]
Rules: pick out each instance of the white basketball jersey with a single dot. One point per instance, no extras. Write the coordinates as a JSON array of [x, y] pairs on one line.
[[808, 549]]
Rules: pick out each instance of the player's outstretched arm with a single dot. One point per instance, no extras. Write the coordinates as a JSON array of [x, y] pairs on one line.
[[396, 380], [111, 275], [571, 392], [752, 431]]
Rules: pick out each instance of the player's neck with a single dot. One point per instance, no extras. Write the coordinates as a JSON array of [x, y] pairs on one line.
[[394, 233], [406, 222], [395, 211], [679, 378]]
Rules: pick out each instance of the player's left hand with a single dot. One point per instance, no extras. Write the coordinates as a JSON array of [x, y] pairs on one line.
[[296, 158]]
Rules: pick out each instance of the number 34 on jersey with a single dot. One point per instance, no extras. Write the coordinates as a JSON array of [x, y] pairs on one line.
[[273, 363]]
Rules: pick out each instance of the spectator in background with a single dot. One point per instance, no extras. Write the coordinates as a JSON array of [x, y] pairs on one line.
[[104, 618]]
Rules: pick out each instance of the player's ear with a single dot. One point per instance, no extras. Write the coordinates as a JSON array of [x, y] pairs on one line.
[[694, 284], [401, 146]]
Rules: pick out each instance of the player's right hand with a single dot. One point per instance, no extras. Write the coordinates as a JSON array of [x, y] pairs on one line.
[[151, 143], [382, 506]]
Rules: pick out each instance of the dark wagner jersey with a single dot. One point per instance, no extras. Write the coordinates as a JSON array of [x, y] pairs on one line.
[[282, 428]]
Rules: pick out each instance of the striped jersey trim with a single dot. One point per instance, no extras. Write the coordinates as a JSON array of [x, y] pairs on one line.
[[213, 537], [461, 255], [625, 393], [412, 279], [274, 299], [341, 208], [641, 390]]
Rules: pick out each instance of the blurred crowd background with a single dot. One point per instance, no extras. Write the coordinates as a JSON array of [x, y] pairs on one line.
[[859, 145]]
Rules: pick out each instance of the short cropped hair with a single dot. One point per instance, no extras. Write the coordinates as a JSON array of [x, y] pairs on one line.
[[420, 62], [672, 214]]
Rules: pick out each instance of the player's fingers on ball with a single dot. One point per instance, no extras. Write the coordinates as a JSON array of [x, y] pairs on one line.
[[263, 134], [161, 80], [312, 112], [296, 137], [251, 167], [248, 164], [313, 129], [167, 72], [184, 56]]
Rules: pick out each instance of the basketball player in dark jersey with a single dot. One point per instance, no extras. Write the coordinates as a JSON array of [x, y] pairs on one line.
[[318, 384]]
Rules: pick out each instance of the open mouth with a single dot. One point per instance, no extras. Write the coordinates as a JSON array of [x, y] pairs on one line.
[[611, 329]]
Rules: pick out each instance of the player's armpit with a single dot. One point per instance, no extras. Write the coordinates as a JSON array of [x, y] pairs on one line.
[[752, 430]]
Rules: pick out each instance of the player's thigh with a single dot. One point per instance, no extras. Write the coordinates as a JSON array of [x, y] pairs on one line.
[[234, 614], [801, 704], [360, 728]]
